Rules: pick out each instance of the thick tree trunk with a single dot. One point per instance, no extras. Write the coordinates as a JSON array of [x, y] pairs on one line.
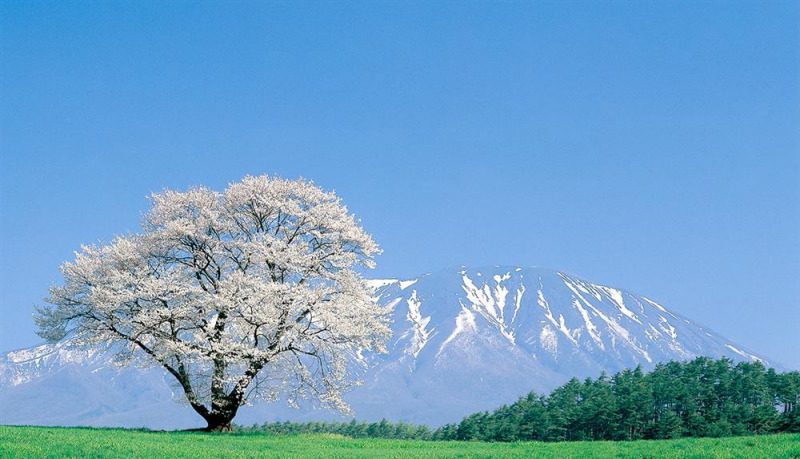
[[220, 418], [221, 426], [220, 421]]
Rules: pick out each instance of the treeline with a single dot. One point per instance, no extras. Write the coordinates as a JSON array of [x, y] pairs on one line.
[[352, 429], [700, 398]]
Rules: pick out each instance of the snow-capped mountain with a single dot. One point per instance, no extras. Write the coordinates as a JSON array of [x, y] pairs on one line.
[[463, 340]]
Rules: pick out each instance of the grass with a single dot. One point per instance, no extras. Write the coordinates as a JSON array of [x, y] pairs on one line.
[[56, 442]]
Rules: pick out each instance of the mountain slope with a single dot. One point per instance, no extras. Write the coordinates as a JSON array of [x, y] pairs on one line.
[[463, 340]]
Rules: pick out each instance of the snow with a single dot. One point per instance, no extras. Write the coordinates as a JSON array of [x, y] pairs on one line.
[[548, 340], [590, 326], [623, 333], [420, 333], [465, 322], [375, 284], [587, 289], [393, 303], [563, 327], [500, 294], [517, 301], [489, 304], [542, 302], [498, 278], [408, 283], [479, 297], [656, 305], [743, 353], [667, 327], [30, 354], [656, 333], [616, 297], [576, 303]]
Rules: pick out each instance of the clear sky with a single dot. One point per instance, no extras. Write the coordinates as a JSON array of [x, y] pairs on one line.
[[652, 146]]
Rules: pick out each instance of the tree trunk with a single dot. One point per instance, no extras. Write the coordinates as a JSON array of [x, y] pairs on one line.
[[220, 417], [222, 426], [220, 421]]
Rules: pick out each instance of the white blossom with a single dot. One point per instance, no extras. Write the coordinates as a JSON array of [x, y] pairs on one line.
[[249, 293]]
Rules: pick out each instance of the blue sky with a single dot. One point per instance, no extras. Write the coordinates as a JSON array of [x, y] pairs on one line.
[[652, 146]]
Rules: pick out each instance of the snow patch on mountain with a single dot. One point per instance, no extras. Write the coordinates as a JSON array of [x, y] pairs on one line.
[[419, 332], [465, 323]]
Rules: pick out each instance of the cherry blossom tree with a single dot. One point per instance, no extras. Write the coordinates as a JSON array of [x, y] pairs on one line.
[[251, 293]]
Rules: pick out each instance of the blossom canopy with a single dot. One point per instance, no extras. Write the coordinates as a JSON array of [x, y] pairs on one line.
[[248, 293]]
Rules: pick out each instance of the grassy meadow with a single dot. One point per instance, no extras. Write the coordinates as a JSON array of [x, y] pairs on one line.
[[53, 442]]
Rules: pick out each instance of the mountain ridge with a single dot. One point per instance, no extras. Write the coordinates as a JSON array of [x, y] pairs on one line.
[[464, 340]]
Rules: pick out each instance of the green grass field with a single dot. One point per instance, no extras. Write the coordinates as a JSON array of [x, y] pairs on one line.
[[40, 442]]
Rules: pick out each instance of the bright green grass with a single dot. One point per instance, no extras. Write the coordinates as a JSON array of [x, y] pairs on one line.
[[39, 442]]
